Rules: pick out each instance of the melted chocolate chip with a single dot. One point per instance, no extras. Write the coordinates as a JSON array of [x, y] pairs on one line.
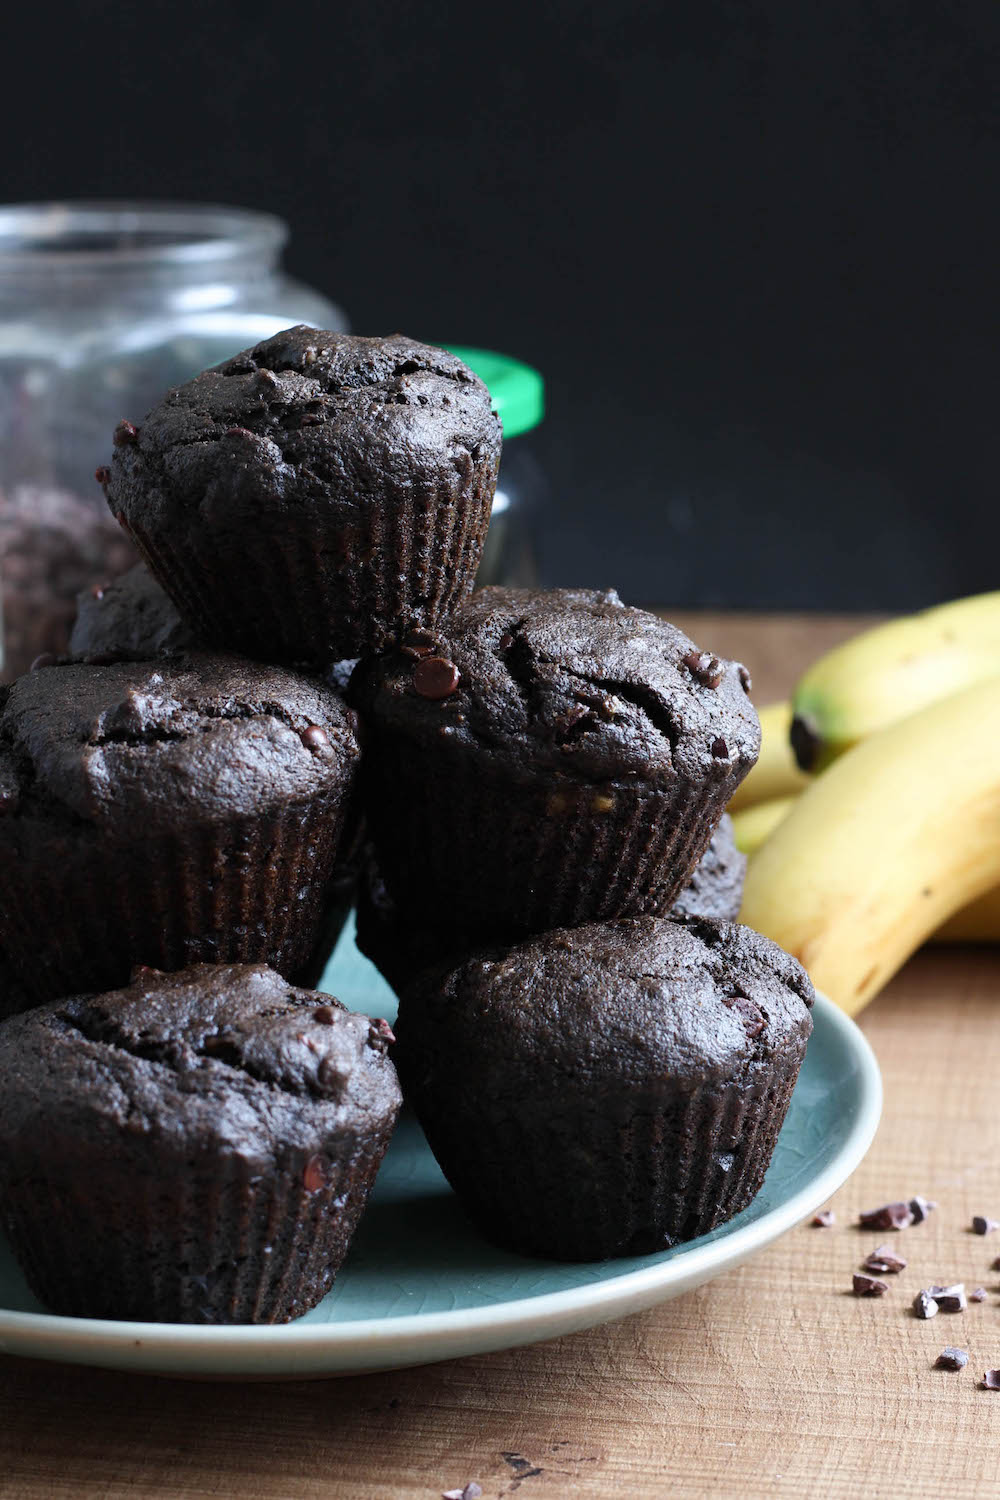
[[704, 668], [324, 1015], [314, 1176], [310, 419], [720, 749], [102, 473], [316, 740], [124, 434], [505, 642], [436, 677]]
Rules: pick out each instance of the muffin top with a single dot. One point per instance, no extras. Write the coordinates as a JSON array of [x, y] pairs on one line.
[[230, 1052], [195, 737], [131, 618], [640, 999], [715, 887], [569, 679], [306, 417]]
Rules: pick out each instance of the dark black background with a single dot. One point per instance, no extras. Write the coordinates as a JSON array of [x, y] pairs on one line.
[[752, 247]]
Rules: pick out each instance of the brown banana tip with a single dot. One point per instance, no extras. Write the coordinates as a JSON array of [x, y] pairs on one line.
[[806, 742]]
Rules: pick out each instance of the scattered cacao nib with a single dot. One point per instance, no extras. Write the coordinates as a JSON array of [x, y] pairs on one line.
[[882, 1259], [920, 1208], [978, 1294], [996, 1264], [951, 1359], [950, 1299], [991, 1380], [472, 1491], [982, 1225], [889, 1216], [825, 1219], [868, 1286], [924, 1305]]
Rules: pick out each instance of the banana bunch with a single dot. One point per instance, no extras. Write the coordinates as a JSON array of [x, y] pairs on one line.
[[899, 838]]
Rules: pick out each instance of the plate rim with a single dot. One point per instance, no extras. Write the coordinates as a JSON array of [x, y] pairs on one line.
[[371, 1335]]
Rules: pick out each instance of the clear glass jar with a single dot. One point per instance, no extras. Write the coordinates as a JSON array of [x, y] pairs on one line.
[[103, 307], [518, 393]]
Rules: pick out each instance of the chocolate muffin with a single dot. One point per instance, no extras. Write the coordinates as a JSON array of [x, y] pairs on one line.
[[548, 759], [400, 947], [166, 813], [198, 1147], [715, 887], [610, 1090], [314, 496], [130, 619]]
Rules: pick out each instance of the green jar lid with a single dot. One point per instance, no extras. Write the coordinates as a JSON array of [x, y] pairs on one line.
[[517, 390]]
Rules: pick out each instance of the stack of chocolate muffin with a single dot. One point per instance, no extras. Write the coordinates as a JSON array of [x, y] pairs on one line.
[[527, 788]]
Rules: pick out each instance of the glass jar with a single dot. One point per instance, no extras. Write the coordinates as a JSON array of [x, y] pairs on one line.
[[518, 394], [103, 307]]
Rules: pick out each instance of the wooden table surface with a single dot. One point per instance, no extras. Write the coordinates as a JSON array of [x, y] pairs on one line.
[[771, 1380]]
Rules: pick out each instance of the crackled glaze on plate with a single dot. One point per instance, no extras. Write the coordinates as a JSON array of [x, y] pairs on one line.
[[420, 1284]]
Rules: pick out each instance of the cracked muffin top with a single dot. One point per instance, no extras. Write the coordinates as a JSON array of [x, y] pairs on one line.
[[571, 680], [230, 1050], [640, 998], [196, 737], [130, 618], [304, 418]]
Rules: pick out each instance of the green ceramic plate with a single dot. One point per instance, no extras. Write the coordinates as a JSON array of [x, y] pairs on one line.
[[421, 1285]]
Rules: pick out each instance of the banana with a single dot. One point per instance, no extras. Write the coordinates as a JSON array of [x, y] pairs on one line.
[[775, 774], [979, 922], [900, 833], [753, 826], [890, 672]]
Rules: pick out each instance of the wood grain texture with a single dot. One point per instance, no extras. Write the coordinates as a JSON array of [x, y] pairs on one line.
[[770, 1381]]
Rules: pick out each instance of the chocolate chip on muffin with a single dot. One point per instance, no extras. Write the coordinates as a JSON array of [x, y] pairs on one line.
[[197, 1147], [560, 763], [167, 813], [607, 1090], [314, 496]]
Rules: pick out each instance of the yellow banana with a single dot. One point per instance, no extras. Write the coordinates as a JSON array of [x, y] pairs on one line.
[[979, 922], [885, 674], [775, 774], [900, 833], [753, 826]]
